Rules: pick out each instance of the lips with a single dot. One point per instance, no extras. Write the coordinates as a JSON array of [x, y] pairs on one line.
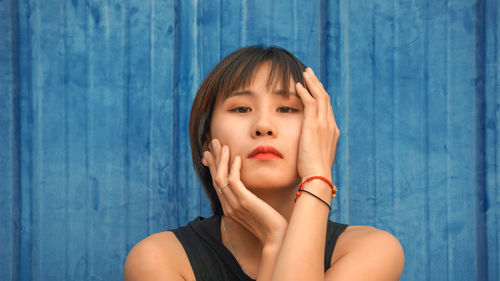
[[265, 153]]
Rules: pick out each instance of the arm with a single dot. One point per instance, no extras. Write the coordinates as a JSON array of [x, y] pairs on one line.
[[158, 257], [373, 255], [301, 256], [304, 244]]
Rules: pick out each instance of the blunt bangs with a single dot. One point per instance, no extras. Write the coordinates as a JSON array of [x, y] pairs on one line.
[[241, 69]]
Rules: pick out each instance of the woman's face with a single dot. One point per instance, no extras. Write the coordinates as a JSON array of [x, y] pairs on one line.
[[254, 117]]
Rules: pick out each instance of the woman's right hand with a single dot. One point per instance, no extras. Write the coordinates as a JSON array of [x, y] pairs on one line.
[[238, 203]]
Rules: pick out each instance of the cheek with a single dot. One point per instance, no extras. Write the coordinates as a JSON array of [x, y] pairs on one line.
[[293, 130], [230, 136]]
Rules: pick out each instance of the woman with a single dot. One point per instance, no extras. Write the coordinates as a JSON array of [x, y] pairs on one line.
[[262, 129]]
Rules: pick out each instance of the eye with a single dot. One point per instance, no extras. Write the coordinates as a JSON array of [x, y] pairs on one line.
[[286, 109], [241, 109]]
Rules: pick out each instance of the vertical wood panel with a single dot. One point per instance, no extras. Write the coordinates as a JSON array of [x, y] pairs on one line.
[[188, 69], [9, 185], [25, 145], [383, 114], [460, 140], [161, 204], [108, 116], [342, 113], [437, 204], [409, 133], [51, 140], [492, 139], [76, 65], [332, 81], [360, 128], [96, 152]]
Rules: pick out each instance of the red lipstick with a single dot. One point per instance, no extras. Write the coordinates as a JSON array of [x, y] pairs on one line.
[[265, 153]]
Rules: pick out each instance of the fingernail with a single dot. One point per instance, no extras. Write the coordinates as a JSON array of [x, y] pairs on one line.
[[299, 85], [224, 149]]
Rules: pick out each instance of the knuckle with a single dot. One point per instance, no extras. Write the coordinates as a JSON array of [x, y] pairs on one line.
[[311, 102], [322, 126], [232, 180], [229, 212], [244, 204], [219, 180]]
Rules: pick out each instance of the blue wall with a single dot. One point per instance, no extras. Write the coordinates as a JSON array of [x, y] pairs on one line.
[[95, 99]]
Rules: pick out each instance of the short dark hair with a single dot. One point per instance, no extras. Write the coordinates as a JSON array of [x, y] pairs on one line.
[[234, 72]]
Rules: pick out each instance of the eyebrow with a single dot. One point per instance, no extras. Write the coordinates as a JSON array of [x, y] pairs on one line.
[[250, 93]]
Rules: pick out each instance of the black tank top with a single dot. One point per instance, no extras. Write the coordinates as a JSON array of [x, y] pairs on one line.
[[211, 260]]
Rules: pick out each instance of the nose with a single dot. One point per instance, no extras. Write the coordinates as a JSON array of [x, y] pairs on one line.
[[258, 133], [264, 127]]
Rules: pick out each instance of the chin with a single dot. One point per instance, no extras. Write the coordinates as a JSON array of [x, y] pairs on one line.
[[261, 181]]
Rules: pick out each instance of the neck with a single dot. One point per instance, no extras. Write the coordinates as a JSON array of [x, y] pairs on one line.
[[282, 200], [247, 247]]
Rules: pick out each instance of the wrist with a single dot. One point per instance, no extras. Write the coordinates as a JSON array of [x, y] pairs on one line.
[[319, 185], [275, 237], [272, 245], [317, 172]]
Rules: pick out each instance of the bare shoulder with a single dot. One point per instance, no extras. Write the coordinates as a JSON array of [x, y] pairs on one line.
[[158, 257], [363, 251]]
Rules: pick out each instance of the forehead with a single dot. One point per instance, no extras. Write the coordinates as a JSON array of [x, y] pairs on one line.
[[263, 75], [273, 78]]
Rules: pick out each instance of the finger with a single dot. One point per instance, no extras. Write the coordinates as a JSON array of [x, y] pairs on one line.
[[228, 192], [210, 160], [221, 166], [216, 148], [323, 91], [327, 98], [312, 85], [331, 118], [223, 195], [307, 100], [238, 190], [234, 173], [317, 92], [315, 78], [212, 167], [330, 112]]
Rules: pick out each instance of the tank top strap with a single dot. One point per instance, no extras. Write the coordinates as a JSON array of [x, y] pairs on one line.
[[209, 258], [333, 231]]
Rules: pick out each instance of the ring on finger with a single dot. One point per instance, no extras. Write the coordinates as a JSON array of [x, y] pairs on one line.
[[224, 186]]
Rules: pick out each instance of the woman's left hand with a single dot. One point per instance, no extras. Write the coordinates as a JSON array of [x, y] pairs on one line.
[[318, 142]]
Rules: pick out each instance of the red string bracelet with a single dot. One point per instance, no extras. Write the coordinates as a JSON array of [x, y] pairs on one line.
[[301, 187]]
